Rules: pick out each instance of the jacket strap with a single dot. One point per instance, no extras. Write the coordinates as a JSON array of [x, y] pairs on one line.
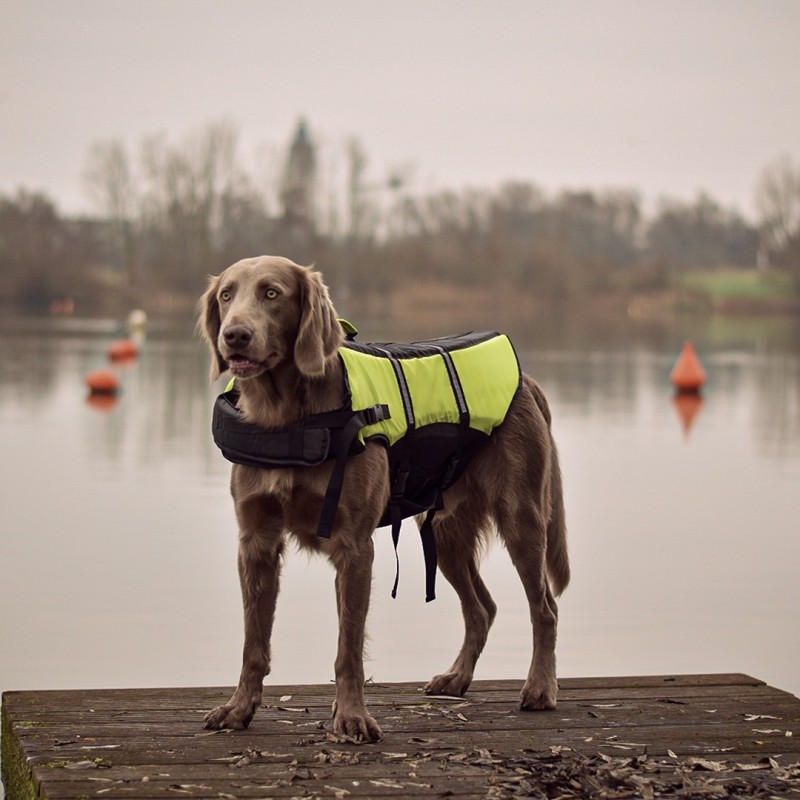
[[346, 437], [429, 549], [394, 511]]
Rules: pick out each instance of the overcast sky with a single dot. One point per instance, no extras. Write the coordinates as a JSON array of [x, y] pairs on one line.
[[666, 97]]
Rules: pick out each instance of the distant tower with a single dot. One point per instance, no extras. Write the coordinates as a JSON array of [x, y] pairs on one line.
[[299, 178]]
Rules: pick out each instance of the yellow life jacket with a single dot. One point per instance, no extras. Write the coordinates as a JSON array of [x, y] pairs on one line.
[[433, 404]]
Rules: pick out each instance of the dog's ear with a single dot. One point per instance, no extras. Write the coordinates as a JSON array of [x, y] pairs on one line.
[[319, 334], [208, 324]]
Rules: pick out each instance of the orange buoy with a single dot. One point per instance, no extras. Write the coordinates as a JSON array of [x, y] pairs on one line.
[[123, 350], [688, 374], [102, 381]]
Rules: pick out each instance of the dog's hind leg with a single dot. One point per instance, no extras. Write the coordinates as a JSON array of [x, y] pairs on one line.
[[458, 561], [524, 533], [260, 549]]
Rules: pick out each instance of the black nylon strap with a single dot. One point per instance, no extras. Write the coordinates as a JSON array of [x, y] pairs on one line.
[[428, 548], [334, 491], [429, 552], [397, 520]]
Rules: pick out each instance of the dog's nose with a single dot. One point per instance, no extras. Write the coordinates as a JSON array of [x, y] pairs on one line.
[[237, 336]]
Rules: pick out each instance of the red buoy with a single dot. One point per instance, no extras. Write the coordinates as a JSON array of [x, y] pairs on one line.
[[688, 374], [123, 350], [102, 381]]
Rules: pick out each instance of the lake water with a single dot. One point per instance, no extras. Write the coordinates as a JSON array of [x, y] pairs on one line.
[[117, 537]]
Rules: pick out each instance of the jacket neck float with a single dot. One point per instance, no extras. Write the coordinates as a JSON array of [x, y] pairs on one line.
[[432, 404]]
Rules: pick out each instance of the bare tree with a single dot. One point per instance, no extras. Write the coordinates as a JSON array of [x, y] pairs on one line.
[[361, 211], [778, 202], [183, 201], [43, 257], [110, 185]]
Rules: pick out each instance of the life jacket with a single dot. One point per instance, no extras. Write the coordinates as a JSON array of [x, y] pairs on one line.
[[432, 404]]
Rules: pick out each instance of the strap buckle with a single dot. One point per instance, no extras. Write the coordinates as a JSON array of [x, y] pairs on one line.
[[376, 413]]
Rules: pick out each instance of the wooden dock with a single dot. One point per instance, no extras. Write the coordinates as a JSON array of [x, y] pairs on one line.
[[679, 736]]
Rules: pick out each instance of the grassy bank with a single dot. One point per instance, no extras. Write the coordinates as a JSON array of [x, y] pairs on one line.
[[737, 290]]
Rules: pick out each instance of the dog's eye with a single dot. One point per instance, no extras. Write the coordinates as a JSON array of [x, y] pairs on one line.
[[271, 293], [225, 295]]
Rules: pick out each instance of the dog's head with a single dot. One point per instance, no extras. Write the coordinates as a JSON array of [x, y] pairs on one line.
[[266, 312]]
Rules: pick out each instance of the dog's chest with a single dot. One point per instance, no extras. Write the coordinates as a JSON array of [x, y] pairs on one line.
[[277, 483], [295, 498]]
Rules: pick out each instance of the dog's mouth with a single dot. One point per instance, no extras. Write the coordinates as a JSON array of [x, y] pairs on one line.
[[243, 367]]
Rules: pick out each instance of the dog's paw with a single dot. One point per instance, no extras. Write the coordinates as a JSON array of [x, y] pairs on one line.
[[539, 696], [229, 716], [452, 684], [357, 726]]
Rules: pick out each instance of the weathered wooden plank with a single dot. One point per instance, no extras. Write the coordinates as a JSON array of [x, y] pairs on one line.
[[119, 702], [656, 729], [205, 697], [431, 715], [269, 724]]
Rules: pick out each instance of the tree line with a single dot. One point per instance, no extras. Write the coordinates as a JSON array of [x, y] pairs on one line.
[[173, 213]]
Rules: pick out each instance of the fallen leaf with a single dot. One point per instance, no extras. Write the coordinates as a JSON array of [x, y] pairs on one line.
[[704, 763], [339, 738], [338, 757], [451, 698], [101, 747], [338, 793]]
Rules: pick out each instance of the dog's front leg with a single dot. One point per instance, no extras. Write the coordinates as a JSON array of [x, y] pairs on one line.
[[353, 585], [259, 574]]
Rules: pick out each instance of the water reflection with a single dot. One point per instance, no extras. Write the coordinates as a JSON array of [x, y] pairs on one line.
[[687, 405], [118, 529]]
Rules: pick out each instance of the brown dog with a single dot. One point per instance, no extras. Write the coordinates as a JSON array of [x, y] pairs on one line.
[[272, 324]]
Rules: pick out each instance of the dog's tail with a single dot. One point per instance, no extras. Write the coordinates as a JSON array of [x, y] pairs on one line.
[[557, 559]]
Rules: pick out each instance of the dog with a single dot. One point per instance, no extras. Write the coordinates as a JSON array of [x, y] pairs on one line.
[[271, 323]]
